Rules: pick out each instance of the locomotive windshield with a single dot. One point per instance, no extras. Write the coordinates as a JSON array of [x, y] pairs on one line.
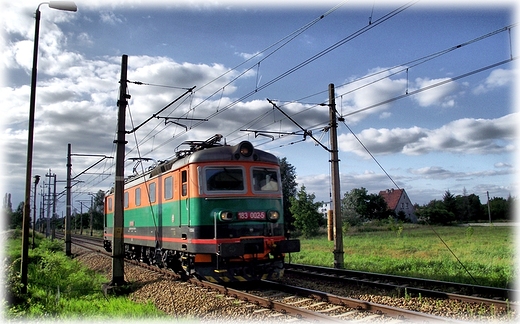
[[224, 179], [265, 179]]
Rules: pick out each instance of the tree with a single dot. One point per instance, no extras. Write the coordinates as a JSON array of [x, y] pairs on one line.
[[353, 206], [450, 203], [16, 219], [307, 218], [358, 206], [501, 208], [98, 210], [288, 178], [7, 208], [435, 212], [468, 208]]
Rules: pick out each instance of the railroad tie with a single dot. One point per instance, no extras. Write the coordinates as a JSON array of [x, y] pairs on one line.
[[367, 319], [347, 313], [300, 301], [315, 304], [333, 308]]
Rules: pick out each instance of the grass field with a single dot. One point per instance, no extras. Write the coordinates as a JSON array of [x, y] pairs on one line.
[[486, 254], [60, 288]]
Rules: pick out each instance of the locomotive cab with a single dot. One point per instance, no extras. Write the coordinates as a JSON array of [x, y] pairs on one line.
[[216, 211]]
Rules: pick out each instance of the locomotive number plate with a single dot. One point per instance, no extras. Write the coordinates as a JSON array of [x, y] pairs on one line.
[[255, 215]]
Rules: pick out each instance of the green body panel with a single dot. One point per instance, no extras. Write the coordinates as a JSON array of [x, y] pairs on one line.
[[195, 212]]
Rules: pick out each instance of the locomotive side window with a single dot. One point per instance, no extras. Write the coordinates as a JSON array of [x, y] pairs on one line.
[[224, 179], [109, 201], [151, 192], [168, 188], [184, 179], [265, 180], [138, 197], [126, 199]]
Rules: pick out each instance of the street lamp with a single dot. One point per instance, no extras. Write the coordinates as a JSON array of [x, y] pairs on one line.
[[60, 5]]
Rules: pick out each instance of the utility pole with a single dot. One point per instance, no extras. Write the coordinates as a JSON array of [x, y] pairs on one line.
[[68, 209], [49, 175], [81, 202], [118, 250], [91, 212], [334, 161], [336, 200], [42, 206], [54, 210], [36, 180], [48, 219], [489, 207], [69, 194]]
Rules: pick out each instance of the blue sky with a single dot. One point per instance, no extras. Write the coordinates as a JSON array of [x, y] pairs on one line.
[[458, 137]]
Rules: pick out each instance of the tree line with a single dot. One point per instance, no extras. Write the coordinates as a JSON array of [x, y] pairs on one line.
[[302, 214], [78, 220]]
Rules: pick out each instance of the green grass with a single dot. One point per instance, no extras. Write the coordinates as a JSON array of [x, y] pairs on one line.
[[61, 288], [487, 253]]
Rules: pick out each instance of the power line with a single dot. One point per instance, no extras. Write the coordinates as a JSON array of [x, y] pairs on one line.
[[440, 83]]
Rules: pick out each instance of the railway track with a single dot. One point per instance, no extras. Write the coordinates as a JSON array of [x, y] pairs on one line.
[[297, 302], [334, 308], [498, 297]]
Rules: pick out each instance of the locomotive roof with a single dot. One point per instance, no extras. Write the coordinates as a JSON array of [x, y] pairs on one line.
[[215, 153]]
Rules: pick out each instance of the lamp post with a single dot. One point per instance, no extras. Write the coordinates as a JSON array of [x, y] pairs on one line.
[[59, 5]]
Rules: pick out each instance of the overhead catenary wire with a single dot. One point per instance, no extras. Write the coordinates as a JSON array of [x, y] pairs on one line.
[[304, 63], [320, 54], [437, 84], [455, 47]]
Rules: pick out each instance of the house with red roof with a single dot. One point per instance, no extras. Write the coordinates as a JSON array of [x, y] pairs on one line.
[[397, 201]]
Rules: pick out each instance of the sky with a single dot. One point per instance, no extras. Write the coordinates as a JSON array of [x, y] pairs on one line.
[[424, 91]]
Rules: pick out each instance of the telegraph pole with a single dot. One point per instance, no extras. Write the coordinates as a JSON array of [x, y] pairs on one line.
[[336, 200], [36, 180], [489, 207], [91, 212], [117, 233], [68, 209], [50, 175]]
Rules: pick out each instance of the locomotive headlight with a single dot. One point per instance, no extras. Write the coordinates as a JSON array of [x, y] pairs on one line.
[[226, 215], [246, 149], [273, 215]]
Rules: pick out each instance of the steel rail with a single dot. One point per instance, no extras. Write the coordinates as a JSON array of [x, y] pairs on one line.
[[379, 309], [400, 283]]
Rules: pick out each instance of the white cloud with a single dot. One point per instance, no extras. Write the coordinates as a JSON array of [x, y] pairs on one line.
[[370, 90], [108, 17], [467, 136], [247, 56], [437, 95], [497, 78]]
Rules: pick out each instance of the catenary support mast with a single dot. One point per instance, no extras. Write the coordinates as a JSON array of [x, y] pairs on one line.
[[336, 199], [118, 251]]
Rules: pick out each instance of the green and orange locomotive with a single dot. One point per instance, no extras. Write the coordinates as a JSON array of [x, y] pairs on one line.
[[214, 211]]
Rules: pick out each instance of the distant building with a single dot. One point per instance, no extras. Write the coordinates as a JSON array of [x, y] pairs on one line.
[[397, 201]]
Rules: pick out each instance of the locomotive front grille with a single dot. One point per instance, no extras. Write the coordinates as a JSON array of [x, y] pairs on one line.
[[253, 246], [246, 246]]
